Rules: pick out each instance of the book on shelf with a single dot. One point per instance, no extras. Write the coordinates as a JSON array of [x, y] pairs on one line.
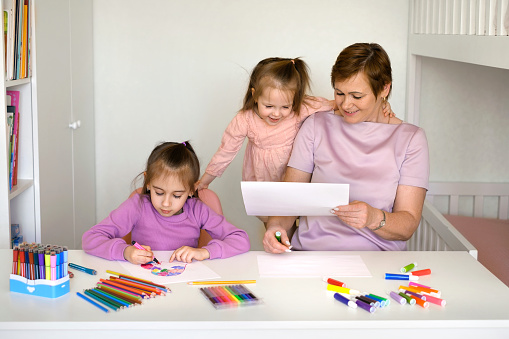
[[12, 99], [17, 38]]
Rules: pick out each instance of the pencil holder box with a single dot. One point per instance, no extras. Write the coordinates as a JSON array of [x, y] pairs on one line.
[[40, 287]]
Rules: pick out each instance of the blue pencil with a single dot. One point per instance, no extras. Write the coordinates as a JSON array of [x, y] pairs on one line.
[[92, 302]]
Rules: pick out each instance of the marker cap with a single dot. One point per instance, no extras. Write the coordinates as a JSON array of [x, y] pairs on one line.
[[408, 267]]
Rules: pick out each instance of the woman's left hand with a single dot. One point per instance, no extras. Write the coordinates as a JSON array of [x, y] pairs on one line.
[[357, 214]]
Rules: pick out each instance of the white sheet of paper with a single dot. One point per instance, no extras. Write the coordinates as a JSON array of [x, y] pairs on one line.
[[311, 265], [195, 271], [292, 198]]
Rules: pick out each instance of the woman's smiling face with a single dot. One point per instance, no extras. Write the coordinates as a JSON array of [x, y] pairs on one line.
[[356, 101]]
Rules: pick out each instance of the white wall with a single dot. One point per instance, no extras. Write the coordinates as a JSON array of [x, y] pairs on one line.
[[464, 110], [465, 113], [177, 70]]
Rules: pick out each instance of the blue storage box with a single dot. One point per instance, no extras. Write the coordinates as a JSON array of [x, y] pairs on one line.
[[40, 287]]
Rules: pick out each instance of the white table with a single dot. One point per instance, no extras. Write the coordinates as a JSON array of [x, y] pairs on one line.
[[477, 304]]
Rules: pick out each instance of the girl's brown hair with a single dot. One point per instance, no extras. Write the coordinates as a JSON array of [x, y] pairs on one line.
[[369, 58], [172, 159], [290, 75]]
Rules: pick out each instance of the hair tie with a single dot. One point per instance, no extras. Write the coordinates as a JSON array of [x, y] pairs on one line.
[[293, 61], [184, 143]]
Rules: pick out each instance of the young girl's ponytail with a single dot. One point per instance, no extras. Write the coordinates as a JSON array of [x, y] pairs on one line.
[[290, 75]]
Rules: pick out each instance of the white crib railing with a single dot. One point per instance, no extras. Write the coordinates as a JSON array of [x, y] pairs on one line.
[[476, 198], [468, 17], [435, 233]]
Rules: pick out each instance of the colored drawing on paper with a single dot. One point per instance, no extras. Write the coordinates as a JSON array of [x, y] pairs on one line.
[[164, 272]]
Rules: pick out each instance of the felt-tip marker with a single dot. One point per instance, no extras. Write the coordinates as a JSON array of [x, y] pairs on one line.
[[278, 236], [138, 246], [83, 269], [345, 300], [395, 276], [334, 282], [408, 267]]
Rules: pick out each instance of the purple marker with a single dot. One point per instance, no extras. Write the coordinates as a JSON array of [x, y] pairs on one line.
[[365, 306], [397, 297], [42, 268]]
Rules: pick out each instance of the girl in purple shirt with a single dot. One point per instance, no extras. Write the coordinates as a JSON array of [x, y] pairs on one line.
[[165, 216]]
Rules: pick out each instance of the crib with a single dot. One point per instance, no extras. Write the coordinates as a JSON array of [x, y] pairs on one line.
[[470, 217]]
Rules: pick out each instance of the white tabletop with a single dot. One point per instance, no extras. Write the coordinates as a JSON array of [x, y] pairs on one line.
[[477, 303]]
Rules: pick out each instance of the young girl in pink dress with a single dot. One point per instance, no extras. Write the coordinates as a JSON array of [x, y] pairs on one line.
[[275, 105]]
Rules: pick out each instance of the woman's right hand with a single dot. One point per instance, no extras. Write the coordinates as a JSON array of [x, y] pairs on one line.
[[137, 256], [272, 245]]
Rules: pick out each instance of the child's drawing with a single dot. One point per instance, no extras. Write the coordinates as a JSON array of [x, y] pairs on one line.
[[164, 272]]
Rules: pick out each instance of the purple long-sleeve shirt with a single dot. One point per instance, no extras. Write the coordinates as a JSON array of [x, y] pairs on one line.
[[148, 227]]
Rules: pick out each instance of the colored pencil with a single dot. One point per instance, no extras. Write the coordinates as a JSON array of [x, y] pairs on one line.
[[120, 294], [216, 282], [137, 279], [135, 290], [134, 294], [92, 302], [137, 285], [145, 284], [91, 295], [113, 297]]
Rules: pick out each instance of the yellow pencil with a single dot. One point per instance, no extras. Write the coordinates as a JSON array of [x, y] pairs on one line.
[[215, 282]]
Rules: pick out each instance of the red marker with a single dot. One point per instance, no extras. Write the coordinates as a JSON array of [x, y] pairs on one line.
[[22, 263], [31, 271], [334, 282], [15, 253], [421, 272]]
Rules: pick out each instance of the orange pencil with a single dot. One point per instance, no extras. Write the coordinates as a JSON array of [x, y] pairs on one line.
[[136, 285], [138, 279], [135, 290]]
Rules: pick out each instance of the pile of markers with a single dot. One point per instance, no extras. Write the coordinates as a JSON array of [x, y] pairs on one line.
[[418, 294], [414, 293], [407, 273], [122, 292], [38, 261], [229, 296], [353, 298]]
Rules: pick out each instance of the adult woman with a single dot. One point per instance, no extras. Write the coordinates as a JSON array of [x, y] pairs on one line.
[[384, 160]]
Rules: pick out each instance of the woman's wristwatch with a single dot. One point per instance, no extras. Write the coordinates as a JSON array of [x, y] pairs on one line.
[[382, 223]]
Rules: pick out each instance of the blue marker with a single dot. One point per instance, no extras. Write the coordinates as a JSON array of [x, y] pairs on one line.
[[83, 269], [395, 276], [345, 300], [59, 264], [66, 255]]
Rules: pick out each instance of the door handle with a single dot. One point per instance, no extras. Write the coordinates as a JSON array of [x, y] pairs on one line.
[[75, 125]]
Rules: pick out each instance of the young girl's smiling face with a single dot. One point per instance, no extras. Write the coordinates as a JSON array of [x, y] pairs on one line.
[[168, 194], [274, 105]]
